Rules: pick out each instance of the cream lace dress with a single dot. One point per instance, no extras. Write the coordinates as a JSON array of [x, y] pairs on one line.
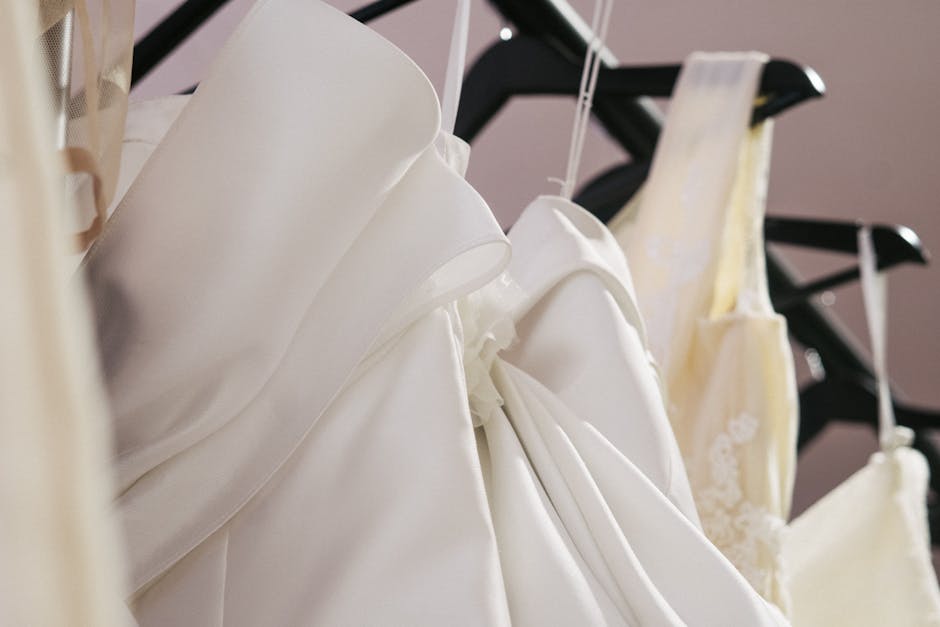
[[693, 237]]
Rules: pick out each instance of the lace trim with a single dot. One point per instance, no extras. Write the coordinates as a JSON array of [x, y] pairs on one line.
[[749, 535]]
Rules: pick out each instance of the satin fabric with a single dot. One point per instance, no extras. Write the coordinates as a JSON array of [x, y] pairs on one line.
[[281, 352], [694, 240], [591, 505]]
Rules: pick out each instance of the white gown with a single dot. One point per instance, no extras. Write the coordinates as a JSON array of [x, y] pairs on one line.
[[281, 351], [591, 506]]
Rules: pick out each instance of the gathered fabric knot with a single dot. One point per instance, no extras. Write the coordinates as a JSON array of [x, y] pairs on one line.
[[486, 317], [897, 438]]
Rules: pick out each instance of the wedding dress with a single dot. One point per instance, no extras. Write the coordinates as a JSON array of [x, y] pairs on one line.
[[591, 505], [861, 555], [590, 502], [694, 240], [281, 346]]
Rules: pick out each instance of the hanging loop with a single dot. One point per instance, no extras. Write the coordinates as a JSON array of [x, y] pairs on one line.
[[874, 293]]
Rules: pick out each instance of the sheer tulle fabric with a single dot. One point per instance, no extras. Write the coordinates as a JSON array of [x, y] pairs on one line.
[[87, 46]]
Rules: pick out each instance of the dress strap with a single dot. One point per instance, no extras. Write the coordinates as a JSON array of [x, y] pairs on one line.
[[456, 61], [874, 292], [582, 114]]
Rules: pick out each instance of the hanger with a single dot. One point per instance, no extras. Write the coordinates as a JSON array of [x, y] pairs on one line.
[[173, 30], [377, 9], [844, 383], [893, 245], [165, 37], [845, 386], [524, 65]]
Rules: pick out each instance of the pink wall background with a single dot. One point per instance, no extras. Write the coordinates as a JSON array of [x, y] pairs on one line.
[[869, 150]]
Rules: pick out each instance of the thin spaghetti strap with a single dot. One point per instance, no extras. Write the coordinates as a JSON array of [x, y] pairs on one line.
[[582, 116], [874, 292], [456, 61]]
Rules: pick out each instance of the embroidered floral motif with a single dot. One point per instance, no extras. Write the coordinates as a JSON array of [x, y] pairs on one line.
[[746, 533]]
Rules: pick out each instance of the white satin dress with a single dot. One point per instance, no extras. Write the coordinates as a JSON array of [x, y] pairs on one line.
[[591, 505], [281, 347]]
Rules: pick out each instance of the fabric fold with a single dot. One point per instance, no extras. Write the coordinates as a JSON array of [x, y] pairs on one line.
[[591, 506], [243, 287]]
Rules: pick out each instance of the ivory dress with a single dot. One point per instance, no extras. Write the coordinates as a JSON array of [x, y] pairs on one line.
[[59, 558], [861, 555], [590, 503], [281, 348], [694, 240]]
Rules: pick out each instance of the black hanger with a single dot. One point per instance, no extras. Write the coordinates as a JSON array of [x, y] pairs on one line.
[[524, 65], [855, 399], [173, 30], [633, 123], [377, 9], [893, 245], [845, 382], [845, 389]]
